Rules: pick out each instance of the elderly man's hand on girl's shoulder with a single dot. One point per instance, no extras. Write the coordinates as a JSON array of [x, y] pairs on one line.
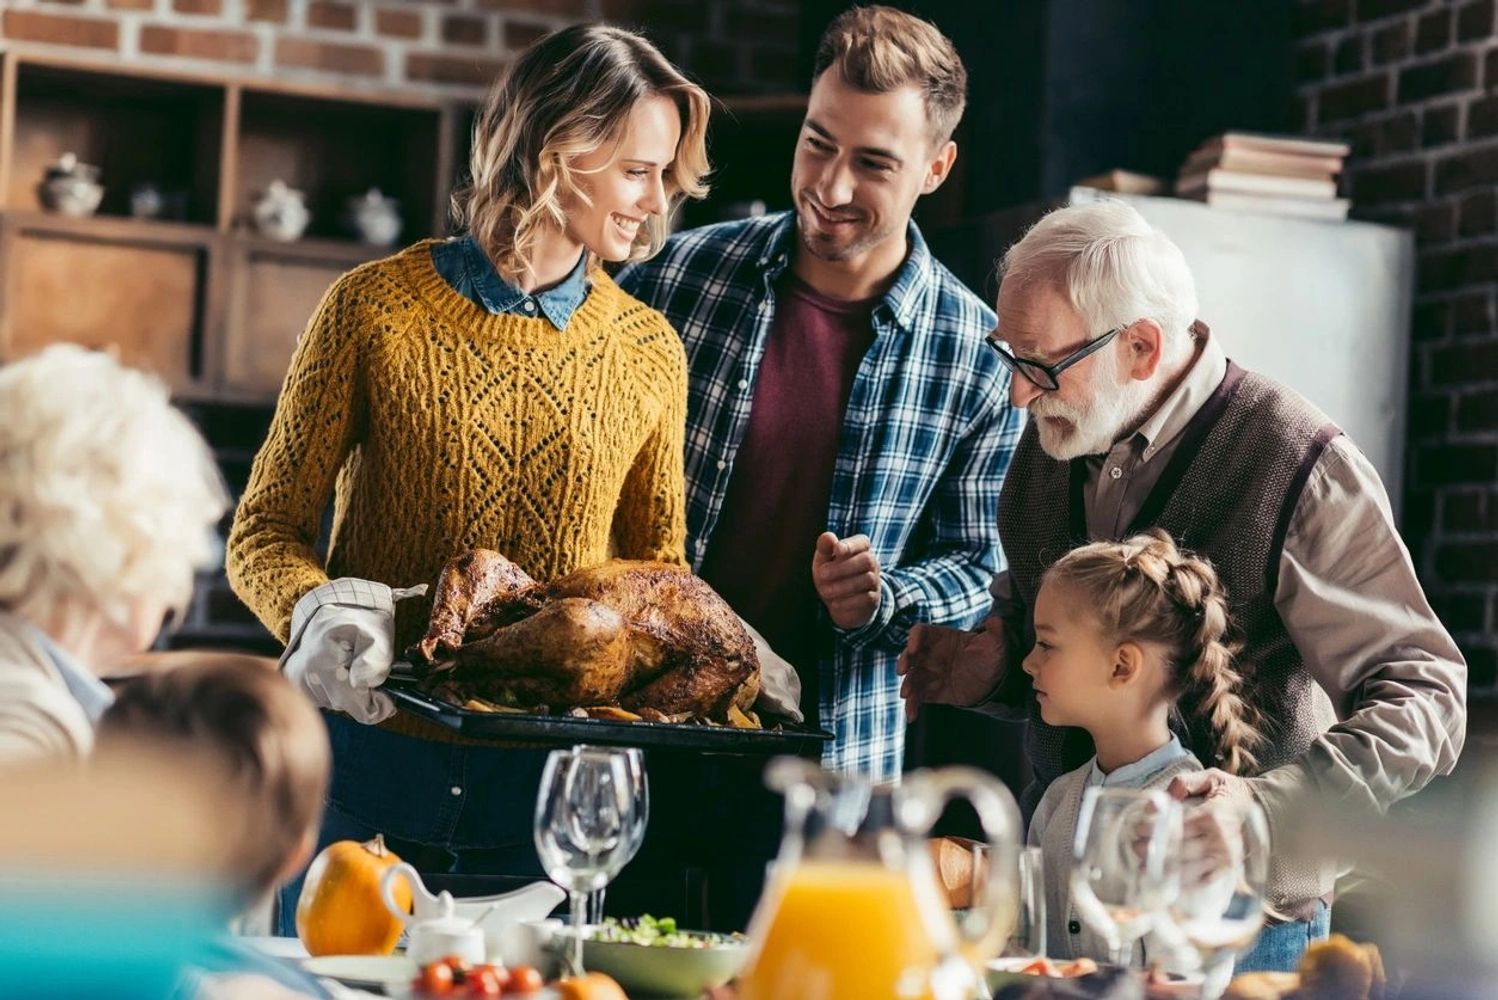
[[1218, 807], [1212, 785]]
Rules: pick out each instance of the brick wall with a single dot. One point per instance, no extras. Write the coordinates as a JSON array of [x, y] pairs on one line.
[[1413, 85], [443, 46]]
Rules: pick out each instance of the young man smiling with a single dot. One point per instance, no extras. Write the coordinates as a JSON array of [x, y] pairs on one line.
[[847, 429]]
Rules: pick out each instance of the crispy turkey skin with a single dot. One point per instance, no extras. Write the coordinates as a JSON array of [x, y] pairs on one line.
[[644, 636]]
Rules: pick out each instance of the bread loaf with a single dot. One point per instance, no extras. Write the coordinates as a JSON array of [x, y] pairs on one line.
[[952, 857]]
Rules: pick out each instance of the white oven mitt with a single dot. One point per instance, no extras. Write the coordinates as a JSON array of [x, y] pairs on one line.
[[343, 643], [779, 684]]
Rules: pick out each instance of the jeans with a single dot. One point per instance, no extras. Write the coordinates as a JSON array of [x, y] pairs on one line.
[[1279, 947], [461, 815]]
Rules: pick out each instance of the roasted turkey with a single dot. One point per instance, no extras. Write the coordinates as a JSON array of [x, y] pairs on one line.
[[646, 637]]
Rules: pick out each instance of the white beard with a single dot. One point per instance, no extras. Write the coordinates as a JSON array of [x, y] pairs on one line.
[[1115, 404]]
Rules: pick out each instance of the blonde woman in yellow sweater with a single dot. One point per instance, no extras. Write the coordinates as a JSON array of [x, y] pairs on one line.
[[497, 390]]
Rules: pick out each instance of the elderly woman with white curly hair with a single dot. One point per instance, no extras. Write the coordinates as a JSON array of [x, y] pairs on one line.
[[108, 499]]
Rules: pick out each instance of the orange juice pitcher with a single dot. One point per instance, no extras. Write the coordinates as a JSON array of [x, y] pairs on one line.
[[852, 909]]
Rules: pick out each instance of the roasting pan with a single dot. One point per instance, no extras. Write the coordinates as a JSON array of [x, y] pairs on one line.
[[554, 730]]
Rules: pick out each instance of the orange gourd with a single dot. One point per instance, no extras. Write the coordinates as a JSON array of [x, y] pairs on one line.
[[592, 986], [340, 911]]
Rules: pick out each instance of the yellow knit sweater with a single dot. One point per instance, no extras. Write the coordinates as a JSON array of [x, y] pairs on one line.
[[439, 427]]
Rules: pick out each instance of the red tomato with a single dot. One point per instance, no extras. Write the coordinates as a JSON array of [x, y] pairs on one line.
[[483, 981], [436, 980], [524, 979]]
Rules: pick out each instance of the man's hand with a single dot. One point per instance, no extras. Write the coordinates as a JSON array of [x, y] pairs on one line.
[[846, 575], [1212, 841], [1212, 786], [947, 666]]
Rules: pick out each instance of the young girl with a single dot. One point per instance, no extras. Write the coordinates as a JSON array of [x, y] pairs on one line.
[[1127, 635]]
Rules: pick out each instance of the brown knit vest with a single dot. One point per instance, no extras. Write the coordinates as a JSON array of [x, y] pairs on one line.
[[1228, 493]]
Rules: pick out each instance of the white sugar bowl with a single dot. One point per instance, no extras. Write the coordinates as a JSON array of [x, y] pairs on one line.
[[444, 935], [71, 188]]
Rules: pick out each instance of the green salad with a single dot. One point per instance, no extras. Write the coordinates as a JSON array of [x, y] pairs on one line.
[[658, 932]]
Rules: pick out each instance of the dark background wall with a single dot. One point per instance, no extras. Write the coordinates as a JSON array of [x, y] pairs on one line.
[[1411, 84], [1062, 89]]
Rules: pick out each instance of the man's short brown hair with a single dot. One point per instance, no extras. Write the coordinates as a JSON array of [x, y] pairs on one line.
[[879, 49]]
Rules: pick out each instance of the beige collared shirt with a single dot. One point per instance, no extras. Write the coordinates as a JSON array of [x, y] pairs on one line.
[[39, 716], [1350, 601]]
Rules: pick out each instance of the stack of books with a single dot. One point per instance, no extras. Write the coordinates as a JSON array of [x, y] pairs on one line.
[[1266, 173], [1124, 182]]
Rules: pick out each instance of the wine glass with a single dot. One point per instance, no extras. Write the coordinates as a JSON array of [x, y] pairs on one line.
[[1219, 907], [1126, 857], [634, 759], [1028, 938], [583, 814]]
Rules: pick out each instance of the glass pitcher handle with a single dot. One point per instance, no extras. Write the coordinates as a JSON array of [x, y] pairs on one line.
[[923, 796]]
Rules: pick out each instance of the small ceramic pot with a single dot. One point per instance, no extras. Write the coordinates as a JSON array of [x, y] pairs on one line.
[[146, 201], [374, 218], [71, 188], [281, 213]]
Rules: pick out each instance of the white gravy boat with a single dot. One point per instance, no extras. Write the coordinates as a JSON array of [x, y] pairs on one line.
[[503, 937]]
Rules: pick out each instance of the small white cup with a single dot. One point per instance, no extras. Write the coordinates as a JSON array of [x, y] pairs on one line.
[[432, 940]]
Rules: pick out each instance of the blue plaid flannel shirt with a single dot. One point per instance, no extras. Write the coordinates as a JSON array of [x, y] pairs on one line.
[[926, 439]]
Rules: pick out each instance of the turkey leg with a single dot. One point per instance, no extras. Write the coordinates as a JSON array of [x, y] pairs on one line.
[[464, 587]]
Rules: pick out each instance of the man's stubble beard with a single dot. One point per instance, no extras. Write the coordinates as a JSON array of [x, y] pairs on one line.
[[825, 249]]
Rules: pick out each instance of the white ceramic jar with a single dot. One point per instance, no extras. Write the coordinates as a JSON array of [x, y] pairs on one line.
[[71, 188], [374, 218], [281, 213]]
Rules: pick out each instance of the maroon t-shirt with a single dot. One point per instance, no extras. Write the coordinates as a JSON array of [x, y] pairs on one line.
[[759, 554]]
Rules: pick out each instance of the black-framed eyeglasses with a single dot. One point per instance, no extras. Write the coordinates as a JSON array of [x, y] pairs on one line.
[[1045, 376]]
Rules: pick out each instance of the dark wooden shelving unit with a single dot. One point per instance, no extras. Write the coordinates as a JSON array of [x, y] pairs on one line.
[[201, 299]]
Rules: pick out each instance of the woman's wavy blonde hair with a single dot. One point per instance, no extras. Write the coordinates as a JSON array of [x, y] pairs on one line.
[[568, 95]]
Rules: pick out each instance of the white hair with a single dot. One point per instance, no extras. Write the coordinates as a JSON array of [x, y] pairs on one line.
[[108, 494], [1114, 268]]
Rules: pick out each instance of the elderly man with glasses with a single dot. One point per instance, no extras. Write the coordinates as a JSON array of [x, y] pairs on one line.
[[1139, 420]]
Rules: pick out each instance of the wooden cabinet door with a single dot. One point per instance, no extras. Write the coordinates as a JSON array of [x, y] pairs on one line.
[[140, 291], [277, 288]]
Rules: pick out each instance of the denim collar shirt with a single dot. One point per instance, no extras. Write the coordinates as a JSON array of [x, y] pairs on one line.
[[464, 265]]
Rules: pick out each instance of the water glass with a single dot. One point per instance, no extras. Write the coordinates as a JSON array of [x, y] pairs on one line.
[[1126, 857], [1218, 909], [1028, 939]]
